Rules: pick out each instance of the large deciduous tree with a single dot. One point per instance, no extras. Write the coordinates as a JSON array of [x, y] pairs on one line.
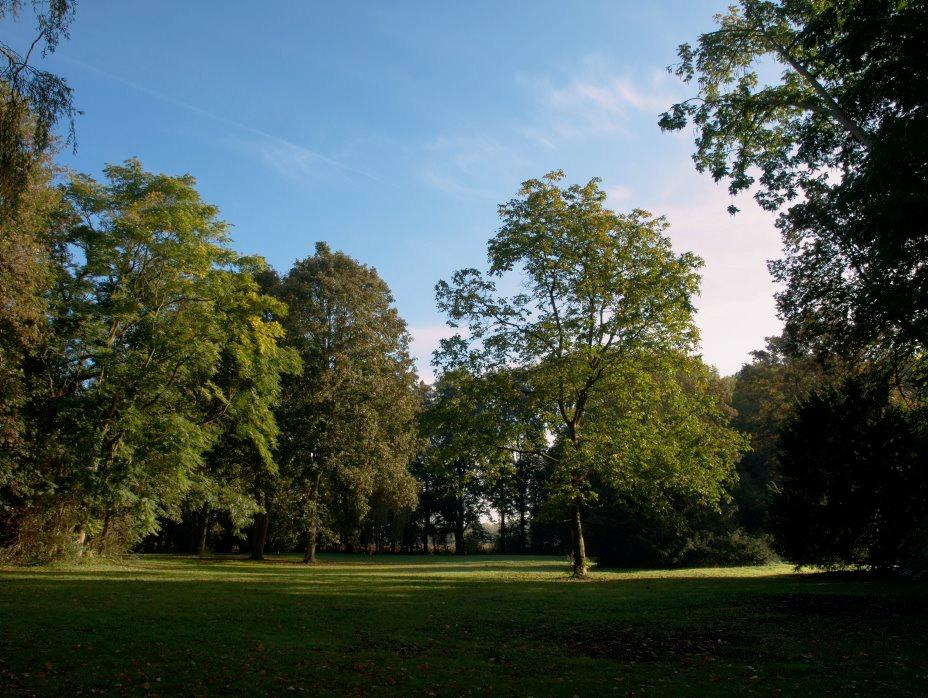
[[821, 107], [348, 420], [128, 390], [247, 390], [601, 295], [764, 395], [459, 460], [31, 257]]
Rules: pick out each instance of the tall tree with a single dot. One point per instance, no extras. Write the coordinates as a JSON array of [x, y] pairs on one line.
[[122, 398], [30, 96], [663, 456], [248, 389], [765, 393], [852, 486], [348, 420], [33, 255], [600, 289], [459, 461], [837, 142]]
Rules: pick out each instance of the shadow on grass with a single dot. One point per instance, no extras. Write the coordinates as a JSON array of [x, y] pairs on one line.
[[350, 626]]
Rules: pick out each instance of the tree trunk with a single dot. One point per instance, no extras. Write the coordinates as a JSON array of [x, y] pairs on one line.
[[579, 548], [310, 557], [459, 537], [259, 535], [260, 526], [312, 527], [425, 535], [202, 530], [104, 531], [502, 530], [522, 529]]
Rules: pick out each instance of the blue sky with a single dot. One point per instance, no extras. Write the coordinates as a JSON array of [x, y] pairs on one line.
[[393, 130]]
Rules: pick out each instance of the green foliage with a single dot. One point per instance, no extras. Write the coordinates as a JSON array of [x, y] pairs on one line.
[[461, 460], [605, 305], [32, 101], [155, 324], [664, 465], [348, 419], [764, 395], [248, 383], [852, 488], [660, 430], [30, 260], [709, 549], [837, 143]]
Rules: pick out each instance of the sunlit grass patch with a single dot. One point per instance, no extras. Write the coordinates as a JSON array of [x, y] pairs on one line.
[[447, 625]]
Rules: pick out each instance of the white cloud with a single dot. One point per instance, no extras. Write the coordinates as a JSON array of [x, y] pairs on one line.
[[288, 159], [618, 194], [612, 97], [293, 160], [736, 306], [425, 340], [596, 100]]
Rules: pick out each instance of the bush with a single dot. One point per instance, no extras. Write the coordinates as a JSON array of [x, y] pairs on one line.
[[736, 547], [853, 488]]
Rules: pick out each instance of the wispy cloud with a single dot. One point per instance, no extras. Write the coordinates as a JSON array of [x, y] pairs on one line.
[[618, 194], [282, 155], [591, 101], [462, 165], [596, 100], [290, 159]]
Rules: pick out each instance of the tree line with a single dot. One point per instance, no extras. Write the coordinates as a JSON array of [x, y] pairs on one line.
[[161, 391]]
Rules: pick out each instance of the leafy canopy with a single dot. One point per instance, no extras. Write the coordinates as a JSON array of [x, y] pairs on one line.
[[837, 143], [348, 419], [604, 305]]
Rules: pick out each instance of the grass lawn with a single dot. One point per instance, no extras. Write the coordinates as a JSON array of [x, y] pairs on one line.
[[483, 624]]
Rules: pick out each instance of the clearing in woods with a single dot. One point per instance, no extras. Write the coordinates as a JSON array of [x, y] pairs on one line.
[[445, 625]]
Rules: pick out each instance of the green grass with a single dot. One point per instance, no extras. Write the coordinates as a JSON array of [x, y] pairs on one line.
[[491, 625]]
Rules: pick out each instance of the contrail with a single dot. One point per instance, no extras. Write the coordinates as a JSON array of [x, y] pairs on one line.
[[216, 117]]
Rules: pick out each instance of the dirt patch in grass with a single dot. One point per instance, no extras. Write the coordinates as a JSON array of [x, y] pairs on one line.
[[394, 647], [646, 645]]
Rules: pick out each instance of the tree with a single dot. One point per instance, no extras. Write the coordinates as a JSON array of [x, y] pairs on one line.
[[122, 402], [528, 480], [666, 453], [31, 97], [458, 460], [248, 389], [600, 290], [348, 431], [764, 395], [515, 473], [852, 486], [838, 144], [30, 260]]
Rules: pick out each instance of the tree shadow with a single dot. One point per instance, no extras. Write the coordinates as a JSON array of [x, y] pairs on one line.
[[349, 627]]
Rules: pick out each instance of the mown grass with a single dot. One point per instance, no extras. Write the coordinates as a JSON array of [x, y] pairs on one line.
[[175, 625]]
